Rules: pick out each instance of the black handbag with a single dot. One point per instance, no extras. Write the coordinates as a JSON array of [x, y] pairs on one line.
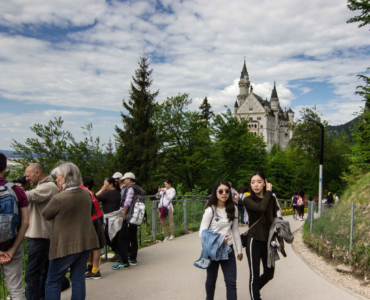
[[244, 236]]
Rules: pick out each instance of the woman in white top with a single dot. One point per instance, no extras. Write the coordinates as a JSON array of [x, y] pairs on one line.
[[221, 216], [167, 194]]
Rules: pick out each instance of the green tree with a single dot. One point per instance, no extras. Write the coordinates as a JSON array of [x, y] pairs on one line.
[[186, 149], [206, 112], [138, 142], [364, 6], [48, 148], [240, 153]]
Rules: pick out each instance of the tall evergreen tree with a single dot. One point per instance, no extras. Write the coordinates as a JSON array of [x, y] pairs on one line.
[[206, 112], [138, 142]]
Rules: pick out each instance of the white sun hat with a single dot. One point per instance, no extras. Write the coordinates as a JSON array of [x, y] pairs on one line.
[[117, 175], [128, 175]]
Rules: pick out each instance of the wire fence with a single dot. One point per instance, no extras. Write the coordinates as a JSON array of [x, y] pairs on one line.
[[187, 214], [346, 226]]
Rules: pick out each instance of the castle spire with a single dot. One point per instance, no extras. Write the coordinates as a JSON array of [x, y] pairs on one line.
[[274, 92], [244, 71]]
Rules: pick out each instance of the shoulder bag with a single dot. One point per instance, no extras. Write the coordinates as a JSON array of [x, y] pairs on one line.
[[244, 236]]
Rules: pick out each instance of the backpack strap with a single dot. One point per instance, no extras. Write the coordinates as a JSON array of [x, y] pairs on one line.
[[213, 214], [9, 186]]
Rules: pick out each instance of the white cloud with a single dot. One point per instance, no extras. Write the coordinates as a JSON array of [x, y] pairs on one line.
[[198, 49]]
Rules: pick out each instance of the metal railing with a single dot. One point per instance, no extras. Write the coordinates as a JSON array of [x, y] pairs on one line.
[[187, 214]]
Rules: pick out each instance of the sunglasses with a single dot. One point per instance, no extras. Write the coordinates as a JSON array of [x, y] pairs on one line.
[[223, 192]]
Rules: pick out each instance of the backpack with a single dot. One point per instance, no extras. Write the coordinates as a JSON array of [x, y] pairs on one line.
[[300, 201], [240, 200], [9, 215], [295, 200], [136, 213]]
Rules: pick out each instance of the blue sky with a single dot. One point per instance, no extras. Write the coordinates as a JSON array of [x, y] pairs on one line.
[[75, 59]]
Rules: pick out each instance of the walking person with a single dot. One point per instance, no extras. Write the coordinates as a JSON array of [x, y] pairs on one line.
[[221, 217], [92, 271], [240, 205], [10, 246], [166, 208], [72, 233], [38, 233], [301, 204], [294, 205], [262, 209]]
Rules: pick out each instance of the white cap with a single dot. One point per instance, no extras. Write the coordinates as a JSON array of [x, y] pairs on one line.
[[128, 175], [117, 175]]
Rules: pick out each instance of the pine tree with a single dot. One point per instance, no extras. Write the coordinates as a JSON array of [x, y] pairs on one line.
[[138, 142], [206, 113]]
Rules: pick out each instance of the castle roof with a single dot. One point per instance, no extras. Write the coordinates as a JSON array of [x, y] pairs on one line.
[[236, 104], [274, 92], [290, 110], [263, 102], [244, 71]]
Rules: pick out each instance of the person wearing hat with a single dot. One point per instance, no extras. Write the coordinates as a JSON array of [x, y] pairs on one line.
[[128, 233], [118, 177]]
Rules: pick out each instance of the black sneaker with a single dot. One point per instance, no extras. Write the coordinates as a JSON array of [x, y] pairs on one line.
[[92, 275], [88, 269], [133, 262]]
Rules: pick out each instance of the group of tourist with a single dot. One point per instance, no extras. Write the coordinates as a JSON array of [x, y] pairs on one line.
[[62, 222]]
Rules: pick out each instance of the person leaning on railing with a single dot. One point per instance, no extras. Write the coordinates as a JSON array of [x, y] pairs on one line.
[[72, 233], [166, 208]]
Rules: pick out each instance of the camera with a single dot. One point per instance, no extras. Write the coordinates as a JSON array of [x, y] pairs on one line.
[[20, 179]]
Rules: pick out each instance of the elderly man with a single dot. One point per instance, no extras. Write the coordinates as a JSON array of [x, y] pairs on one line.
[[38, 233]]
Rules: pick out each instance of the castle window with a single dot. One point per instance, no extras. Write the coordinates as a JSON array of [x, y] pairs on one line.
[[251, 109], [258, 118], [250, 119], [255, 126], [261, 126]]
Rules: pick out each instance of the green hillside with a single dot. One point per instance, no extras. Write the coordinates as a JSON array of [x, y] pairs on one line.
[[346, 127], [358, 193]]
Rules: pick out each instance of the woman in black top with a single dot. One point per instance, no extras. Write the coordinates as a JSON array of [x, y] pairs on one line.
[[261, 207], [110, 196]]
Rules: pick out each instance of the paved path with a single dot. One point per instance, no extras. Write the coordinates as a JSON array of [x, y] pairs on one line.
[[166, 272]]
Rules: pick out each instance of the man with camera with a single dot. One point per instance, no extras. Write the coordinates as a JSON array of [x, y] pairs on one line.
[[38, 233]]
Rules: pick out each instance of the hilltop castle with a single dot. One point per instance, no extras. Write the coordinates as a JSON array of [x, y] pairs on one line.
[[266, 118]]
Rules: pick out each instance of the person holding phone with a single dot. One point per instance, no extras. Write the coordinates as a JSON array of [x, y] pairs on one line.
[[165, 207], [262, 209]]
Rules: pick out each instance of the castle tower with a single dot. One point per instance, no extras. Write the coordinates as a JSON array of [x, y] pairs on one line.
[[244, 84], [291, 115], [274, 99]]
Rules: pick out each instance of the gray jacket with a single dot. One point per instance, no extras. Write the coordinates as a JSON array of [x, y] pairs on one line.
[[284, 232]]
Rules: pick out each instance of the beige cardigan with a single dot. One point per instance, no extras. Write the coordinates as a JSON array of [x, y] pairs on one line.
[[72, 230], [38, 199]]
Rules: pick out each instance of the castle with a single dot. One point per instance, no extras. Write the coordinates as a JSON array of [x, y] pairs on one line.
[[266, 118]]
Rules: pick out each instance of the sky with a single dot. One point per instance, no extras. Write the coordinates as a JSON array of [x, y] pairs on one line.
[[75, 59]]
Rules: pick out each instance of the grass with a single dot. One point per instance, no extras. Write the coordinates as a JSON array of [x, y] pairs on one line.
[[331, 232]]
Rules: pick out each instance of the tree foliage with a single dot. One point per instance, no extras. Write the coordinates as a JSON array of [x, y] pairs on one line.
[[364, 7], [137, 139]]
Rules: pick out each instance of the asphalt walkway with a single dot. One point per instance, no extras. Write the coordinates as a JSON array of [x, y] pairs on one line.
[[166, 272]]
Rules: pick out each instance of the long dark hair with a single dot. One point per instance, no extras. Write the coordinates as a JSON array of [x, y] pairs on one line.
[[229, 204], [115, 183], [270, 213]]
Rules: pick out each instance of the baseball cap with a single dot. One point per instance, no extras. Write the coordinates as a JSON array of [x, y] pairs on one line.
[[128, 175], [117, 175]]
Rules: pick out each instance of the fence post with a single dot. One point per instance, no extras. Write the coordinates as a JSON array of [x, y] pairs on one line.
[[185, 215], [352, 224], [285, 207], [154, 220], [311, 216]]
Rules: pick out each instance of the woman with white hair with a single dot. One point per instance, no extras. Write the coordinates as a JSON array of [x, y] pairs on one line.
[[72, 233]]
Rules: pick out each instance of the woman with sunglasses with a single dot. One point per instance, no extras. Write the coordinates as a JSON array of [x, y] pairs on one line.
[[221, 216], [261, 207]]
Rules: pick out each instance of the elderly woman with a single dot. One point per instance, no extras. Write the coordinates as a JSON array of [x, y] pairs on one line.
[[72, 233]]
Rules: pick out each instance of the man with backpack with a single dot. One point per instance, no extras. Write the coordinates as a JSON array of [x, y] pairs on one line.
[[329, 198], [38, 233], [11, 236], [132, 201]]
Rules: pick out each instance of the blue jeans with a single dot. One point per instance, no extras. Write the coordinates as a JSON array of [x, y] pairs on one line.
[[58, 268], [37, 268], [229, 269], [241, 213]]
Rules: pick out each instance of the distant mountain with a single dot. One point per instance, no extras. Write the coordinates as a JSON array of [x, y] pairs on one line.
[[346, 127], [9, 154]]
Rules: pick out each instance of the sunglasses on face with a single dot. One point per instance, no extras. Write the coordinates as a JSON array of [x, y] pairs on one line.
[[226, 191]]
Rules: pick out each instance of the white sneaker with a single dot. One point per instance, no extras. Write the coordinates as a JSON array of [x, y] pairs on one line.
[[165, 239], [300, 219], [172, 237]]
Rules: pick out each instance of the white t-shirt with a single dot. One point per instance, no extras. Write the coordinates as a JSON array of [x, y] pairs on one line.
[[221, 224]]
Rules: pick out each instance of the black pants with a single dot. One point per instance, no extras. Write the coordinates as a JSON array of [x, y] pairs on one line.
[[229, 269], [37, 268], [127, 236], [257, 251], [301, 210]]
